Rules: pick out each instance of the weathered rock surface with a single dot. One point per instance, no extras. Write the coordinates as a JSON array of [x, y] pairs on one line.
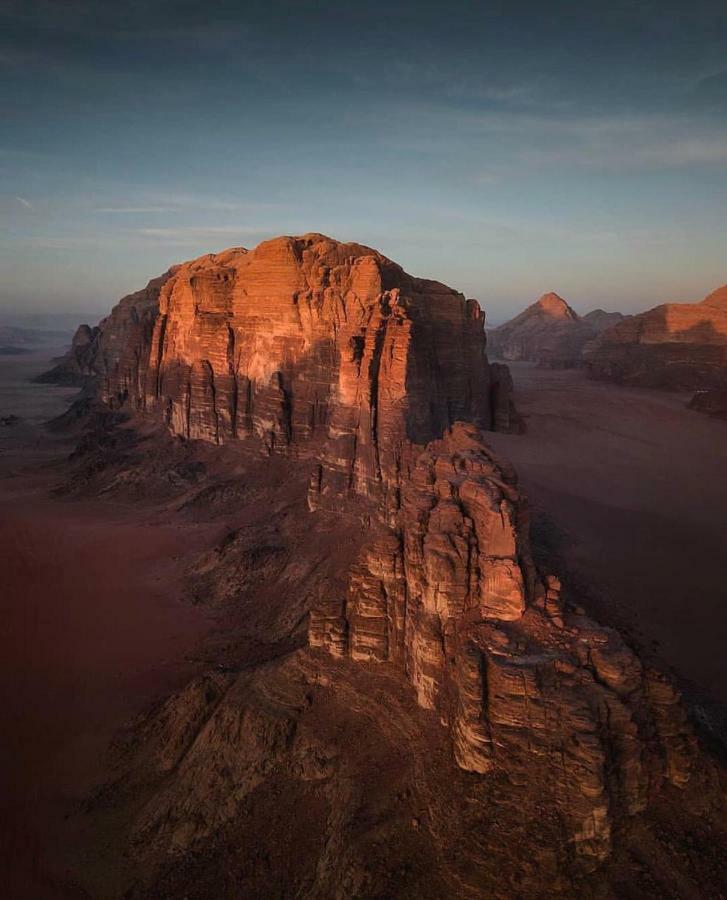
[[549, 332], [676, 346]]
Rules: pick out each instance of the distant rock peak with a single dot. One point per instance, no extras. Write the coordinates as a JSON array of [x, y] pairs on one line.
[[555, 305], [549, 332]]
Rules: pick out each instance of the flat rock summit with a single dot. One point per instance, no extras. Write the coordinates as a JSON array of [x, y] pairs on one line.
[[408, 705]]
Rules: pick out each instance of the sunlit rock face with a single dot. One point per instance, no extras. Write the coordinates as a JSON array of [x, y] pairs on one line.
[[678, 346], [303, 341]]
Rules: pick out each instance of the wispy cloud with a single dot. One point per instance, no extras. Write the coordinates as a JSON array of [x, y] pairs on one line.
[[513, 142], [160, 202]]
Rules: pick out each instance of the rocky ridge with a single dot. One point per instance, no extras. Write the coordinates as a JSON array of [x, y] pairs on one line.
[[676, 346], [451, 596]]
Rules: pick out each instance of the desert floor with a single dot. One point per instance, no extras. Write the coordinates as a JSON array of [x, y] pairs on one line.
[[93, 629]]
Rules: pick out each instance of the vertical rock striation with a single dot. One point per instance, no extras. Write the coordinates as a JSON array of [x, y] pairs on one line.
[[449, 593]]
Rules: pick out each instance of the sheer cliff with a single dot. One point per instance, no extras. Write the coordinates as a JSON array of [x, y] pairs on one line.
[[301, 341]]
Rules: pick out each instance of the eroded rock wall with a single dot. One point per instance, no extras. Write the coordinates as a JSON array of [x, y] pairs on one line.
[[450, 594]]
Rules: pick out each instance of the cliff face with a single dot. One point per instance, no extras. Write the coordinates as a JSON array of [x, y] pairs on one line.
[[548, 332], [451, 596], [301, 342], [678, 346], [431, 617]]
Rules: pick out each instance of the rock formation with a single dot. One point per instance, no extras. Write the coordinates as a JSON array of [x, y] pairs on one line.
[[300, 341], [549, 332], [414, 665], [677, 346], [450, 595]]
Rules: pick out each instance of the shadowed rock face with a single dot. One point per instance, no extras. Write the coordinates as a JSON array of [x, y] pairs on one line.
[[677, 346], [426, 626], [549, 332], [117, 347]]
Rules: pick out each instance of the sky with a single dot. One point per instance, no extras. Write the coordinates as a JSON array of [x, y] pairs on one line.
[[505, 148]]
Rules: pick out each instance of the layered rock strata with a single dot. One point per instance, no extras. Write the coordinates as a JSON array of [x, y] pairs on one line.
[[676, 346]]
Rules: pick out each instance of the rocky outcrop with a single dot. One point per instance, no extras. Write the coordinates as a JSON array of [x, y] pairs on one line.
[[549, 332], [599, 320], [676, 346], [302, 342], [450, 595]]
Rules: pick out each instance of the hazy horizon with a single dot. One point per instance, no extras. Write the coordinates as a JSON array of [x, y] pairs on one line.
[[506, 153]]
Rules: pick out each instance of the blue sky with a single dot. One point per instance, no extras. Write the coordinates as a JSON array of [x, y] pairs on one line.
[[507, 149]]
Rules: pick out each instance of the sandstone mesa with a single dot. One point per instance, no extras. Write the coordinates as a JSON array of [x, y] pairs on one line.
[[376, 387]]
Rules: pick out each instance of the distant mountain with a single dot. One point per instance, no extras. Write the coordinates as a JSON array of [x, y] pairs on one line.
[[600, 320], [677, 346], [549, 332]]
